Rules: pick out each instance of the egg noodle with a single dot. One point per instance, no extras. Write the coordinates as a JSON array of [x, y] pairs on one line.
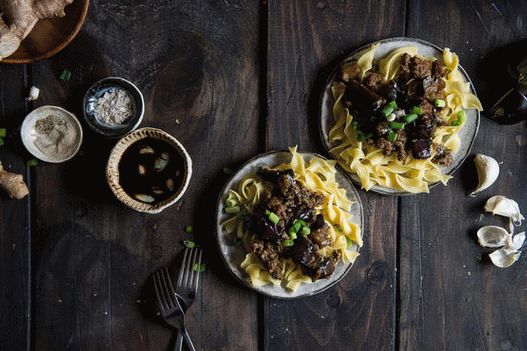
[[317, 175], [368, 162]]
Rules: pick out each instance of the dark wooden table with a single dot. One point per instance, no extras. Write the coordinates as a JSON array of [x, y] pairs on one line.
[[231, 79]]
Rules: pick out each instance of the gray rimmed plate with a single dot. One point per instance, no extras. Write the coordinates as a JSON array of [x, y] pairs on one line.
[[467, 134], [233, 254]]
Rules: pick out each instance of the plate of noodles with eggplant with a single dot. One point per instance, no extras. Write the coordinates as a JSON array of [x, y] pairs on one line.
[[399, 115], [289, 224]]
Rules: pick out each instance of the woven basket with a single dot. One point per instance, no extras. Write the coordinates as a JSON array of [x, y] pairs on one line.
[[112, 169]]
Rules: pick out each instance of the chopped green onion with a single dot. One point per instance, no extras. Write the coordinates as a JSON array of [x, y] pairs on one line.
[[391, 117], [267, 213], [306, 230], [460, 118], [189, 243], [411, 117], [397, 125], [3, 132], [355, 125], [293, 236], [230, 202], [65, 75], [198, 268], [232, 210], [301, 222], [188, 229], [416, 110], [361, 136], [227, 170], [288, 242], [349, 242], [439, 103], [392, 137], [274, 218], [32, 163], [2, 141], [392, 104], [387, 110]]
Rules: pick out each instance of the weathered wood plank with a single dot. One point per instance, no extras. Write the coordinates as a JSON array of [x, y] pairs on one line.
[[197, 65], [15, 238], [306, 40], [449, 299]]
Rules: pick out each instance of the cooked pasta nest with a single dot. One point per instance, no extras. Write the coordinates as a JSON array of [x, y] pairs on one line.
[[317, 175], [368, 162]]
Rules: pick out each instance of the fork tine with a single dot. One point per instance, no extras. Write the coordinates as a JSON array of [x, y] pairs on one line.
[[171, 290], [189, 270], [194, 282], [169, 298], [160, 297], [182, 270]]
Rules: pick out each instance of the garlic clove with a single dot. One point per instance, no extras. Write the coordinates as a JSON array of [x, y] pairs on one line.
[[502, 259], [514, 244], [488, 171], [492, 236], [503, 206]]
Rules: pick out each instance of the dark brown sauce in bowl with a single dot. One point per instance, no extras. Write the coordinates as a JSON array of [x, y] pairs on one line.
[[151, 170]]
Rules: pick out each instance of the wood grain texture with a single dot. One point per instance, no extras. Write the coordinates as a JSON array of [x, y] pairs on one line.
[[196, 63], [451, 300], [15, 237], [305, 41]]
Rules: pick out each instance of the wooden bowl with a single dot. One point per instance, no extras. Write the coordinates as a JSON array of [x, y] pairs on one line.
[[50, 36], [112, 170]]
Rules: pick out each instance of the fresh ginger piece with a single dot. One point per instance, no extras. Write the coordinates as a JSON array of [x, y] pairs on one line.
[[13, 184], [18, 17]]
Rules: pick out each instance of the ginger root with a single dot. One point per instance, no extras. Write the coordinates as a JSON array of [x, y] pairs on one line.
[[18, 17], [13, 184]]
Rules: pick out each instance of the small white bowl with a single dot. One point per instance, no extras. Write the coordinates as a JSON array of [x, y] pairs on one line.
[[28, 134], [113, 175]]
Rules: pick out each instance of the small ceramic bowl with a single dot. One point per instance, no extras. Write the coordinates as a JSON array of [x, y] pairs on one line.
[[103, 86], [29, 134], [112, 169]]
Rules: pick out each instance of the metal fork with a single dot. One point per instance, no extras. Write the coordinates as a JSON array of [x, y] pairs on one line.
[[187, 285], [170, 306]]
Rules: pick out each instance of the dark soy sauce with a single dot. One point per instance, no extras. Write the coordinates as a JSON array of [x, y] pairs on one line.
[[151, 170]]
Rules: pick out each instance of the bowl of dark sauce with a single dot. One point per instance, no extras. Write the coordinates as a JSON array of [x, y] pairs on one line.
[[149, 170]]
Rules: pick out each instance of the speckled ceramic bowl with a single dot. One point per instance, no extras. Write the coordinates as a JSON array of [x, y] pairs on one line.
[[112, 169], [29, 135], [467, 134], [103, 86], [233, 254]]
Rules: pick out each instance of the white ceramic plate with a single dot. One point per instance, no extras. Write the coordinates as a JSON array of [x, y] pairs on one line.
[[28, 134], [467, 134], [233, 254]]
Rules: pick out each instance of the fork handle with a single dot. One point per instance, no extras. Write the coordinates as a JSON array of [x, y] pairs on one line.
[[179, 342], [184, 335]]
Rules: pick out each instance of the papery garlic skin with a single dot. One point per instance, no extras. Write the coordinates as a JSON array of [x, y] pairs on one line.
[[503, 206], [488, 171], [502, 259], [34, 93], [493, 236]]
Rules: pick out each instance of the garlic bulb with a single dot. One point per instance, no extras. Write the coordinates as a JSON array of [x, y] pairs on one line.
[[492, 236], [488, 171], [503, 206]]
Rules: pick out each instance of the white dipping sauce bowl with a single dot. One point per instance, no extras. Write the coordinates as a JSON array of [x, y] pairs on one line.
[[29, 135]]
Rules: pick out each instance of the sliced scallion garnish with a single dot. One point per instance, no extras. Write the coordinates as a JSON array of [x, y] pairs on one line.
[[411, 117], [232, 210], [189, 243], [288, 242]]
